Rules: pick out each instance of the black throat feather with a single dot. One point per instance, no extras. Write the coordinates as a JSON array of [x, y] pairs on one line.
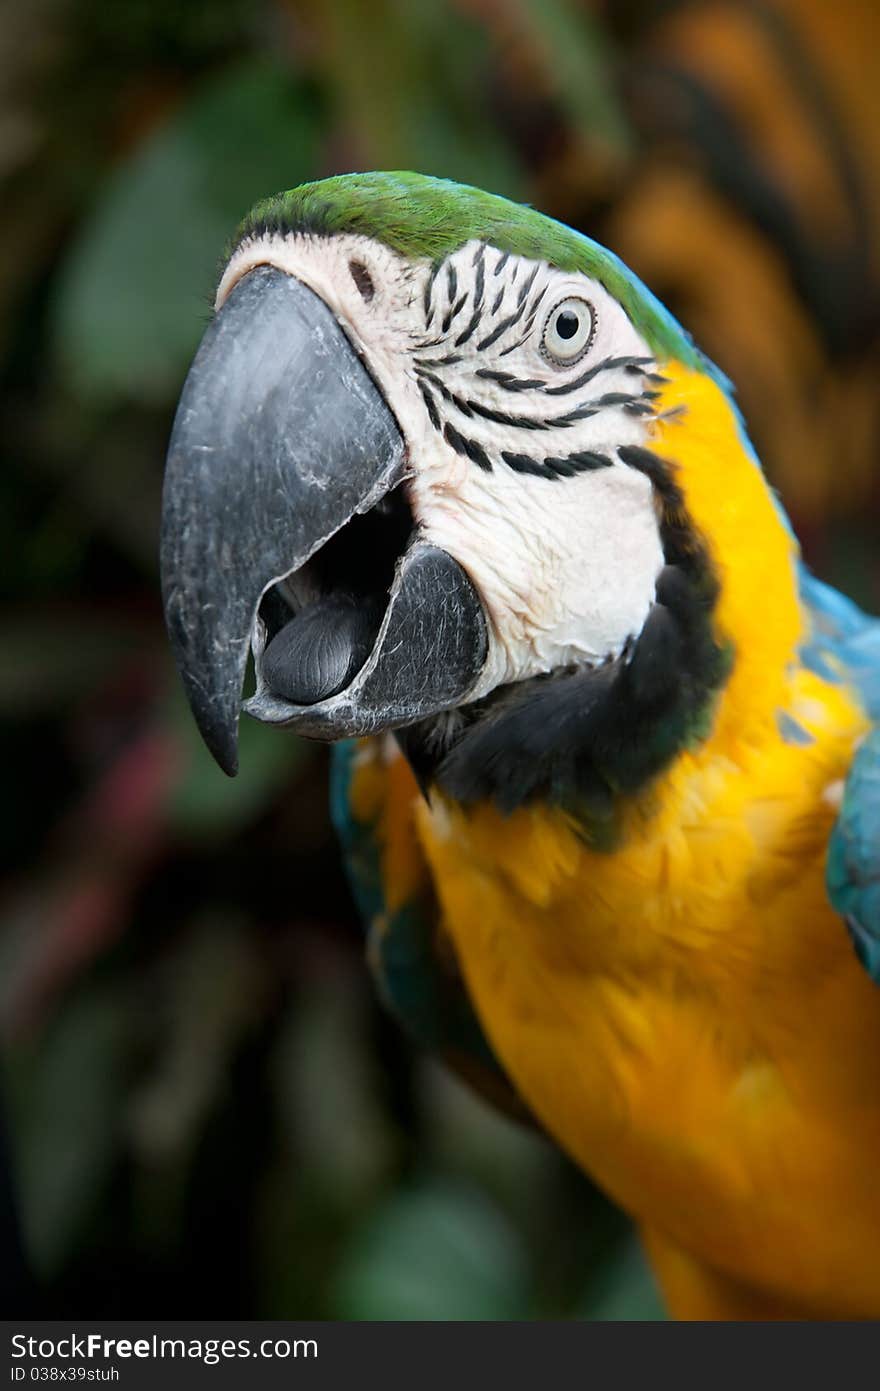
[[584, 738]]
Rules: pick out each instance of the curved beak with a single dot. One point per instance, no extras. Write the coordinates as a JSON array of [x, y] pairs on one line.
[[285, 532]]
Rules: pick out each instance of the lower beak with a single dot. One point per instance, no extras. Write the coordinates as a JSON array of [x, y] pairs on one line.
[[286, 532]]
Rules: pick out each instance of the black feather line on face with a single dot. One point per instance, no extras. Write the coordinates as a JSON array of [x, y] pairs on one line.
[[579, 413], [616, 398], [480, 284], [536, 303], [524, 463], [469, 448], [470, 408], [682, 545], [508, 382], [429, 290], [469, 329], [588, 737], [503, 327], [513, 347], [430, 406], [633, 364], [522, 422], [479, 289], [582, 461], [530, 323], [453, 311], [527, 284]]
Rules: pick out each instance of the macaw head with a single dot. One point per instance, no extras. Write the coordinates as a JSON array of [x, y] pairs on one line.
[[446, 467]]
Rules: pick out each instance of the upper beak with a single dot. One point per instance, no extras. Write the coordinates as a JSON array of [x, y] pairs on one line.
[[281, 442]]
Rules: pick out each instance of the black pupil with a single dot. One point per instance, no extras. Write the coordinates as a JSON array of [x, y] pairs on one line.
[[567, 324]]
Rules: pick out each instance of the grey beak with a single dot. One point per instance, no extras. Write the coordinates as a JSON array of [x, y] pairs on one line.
[[281, 438]]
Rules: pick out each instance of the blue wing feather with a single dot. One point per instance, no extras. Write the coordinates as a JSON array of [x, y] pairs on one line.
[[851, 639], [845, 633], [854, 855]]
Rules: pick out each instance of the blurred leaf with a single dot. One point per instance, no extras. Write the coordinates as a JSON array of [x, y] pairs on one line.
[[107, 475], [208, 996], [440, 1252], [468, 1136], [411, 78], [136, 290], [65, 1094], [138, 29], [576, 59], [328, 1093], [205, 802], [60, 655], [625, 1289]]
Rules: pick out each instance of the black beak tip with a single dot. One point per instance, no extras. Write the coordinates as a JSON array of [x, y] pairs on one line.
[[226, 757], [219, 730]]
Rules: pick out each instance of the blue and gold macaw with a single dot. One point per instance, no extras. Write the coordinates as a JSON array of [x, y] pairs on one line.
[[475, 501]]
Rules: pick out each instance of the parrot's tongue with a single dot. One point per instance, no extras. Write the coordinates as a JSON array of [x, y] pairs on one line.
[[322, 623], [323, 647]]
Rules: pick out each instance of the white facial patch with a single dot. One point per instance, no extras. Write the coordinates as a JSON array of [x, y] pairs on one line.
[[512, 453]]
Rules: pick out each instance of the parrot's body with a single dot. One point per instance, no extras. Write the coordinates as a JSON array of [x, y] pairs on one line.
[[628, 725]]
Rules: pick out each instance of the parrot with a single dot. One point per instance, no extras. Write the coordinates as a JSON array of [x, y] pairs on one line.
[[470, 505]]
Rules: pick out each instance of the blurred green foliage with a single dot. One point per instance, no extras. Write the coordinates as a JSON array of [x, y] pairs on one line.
[[209, 1114], [145, 257]]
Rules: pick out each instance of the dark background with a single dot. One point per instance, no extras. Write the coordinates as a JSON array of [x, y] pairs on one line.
[[208, 1115]]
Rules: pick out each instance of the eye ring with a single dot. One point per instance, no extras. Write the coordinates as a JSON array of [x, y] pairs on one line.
[[569, 330]]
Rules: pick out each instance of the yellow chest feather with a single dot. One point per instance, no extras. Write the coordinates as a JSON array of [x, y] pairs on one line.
[[685, 1013]]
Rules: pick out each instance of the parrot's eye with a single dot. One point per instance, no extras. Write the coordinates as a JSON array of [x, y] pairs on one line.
[[568, 331]]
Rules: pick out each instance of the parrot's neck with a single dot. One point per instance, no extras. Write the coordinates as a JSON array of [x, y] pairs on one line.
[[753, 552]]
